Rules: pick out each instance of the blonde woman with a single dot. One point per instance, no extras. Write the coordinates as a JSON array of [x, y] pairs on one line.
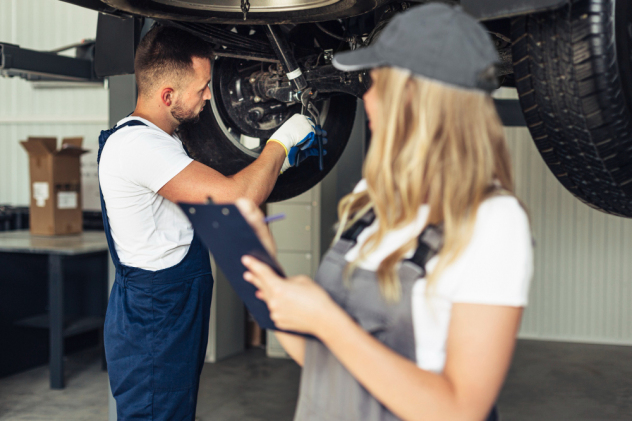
[[416, 306]]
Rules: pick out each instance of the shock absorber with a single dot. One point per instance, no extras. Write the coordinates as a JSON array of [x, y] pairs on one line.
[[284, 53], [294, 74]]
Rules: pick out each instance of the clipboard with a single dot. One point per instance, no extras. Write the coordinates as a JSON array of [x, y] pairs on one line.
[[228, 236]]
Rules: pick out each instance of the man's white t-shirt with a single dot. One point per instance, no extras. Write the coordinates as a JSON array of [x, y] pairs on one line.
[[495, 268], [149, 231]]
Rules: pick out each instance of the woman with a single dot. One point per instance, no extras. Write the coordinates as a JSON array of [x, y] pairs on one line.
[[392, 342]]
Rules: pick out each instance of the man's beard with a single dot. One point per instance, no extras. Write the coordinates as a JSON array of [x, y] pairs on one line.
[[184, 116]]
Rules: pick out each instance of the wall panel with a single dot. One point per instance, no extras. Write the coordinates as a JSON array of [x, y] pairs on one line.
[[28, 110], [582, 285]]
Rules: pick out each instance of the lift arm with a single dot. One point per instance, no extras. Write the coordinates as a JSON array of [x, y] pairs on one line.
[[45, 65]]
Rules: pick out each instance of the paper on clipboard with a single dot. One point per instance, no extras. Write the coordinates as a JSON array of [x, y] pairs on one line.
[[228, 236]]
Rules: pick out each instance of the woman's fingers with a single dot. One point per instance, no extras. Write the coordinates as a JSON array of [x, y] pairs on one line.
[[249, 277], [295, 303], [259, 274], [253, 215], [259, 269], [248, 209]]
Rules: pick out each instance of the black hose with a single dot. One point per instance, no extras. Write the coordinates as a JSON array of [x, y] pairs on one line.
[[331, 34]]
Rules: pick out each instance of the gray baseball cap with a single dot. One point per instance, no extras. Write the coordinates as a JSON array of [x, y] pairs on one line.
[[435, 41]]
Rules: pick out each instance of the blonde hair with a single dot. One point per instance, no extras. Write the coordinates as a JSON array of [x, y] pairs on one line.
[[436, 145]]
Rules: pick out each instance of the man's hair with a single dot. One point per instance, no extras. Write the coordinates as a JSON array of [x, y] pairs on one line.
[[165, 55]]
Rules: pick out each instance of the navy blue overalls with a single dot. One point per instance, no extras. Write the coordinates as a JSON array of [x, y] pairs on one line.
[[156, 330]]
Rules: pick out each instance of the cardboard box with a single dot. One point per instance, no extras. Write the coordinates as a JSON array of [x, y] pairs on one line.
[[55, 206]]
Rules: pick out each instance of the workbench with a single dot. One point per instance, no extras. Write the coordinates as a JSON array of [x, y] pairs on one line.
[[81, 259]]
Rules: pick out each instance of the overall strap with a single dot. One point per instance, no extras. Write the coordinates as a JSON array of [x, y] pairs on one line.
[[105, 134], [103, 137], [356, 229], [429, 244]]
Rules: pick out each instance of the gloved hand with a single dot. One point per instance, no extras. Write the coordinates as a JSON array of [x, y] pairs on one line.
[[305, 149], [297, 156], [297, 130]]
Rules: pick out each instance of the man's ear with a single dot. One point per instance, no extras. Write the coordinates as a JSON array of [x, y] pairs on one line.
[[166, 95]]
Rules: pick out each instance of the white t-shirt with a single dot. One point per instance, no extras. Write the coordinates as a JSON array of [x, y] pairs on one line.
[[149, 231], [495, 268]]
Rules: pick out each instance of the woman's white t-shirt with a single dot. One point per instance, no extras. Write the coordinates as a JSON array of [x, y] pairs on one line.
[[149, 231], [495, 268]]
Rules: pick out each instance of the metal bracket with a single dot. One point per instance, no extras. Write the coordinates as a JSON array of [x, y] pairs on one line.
[[510, 112]]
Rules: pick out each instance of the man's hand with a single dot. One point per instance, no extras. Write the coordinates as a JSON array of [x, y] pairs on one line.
[[302, 151], [297, 130]]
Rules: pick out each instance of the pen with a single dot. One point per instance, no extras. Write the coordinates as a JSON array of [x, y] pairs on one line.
[[273, 218]]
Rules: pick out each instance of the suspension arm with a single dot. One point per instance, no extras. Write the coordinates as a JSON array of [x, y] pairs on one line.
[[324, 79]]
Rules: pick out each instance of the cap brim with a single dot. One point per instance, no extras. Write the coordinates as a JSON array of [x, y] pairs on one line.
[[363, 58]]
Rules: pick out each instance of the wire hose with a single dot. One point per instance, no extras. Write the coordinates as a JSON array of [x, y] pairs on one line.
[[331, 34]]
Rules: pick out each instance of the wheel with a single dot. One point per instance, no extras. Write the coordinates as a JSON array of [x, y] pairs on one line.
[[574, 78], [233, 130]]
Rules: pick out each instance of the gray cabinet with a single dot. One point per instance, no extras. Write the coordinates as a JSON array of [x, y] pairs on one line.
[[308, 228], [298, 243]]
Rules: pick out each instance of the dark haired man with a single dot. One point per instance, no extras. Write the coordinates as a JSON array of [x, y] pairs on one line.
[[156, 325]]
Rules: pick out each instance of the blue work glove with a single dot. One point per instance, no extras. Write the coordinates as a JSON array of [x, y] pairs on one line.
[[297, 155], [297, 130], [303, 150]]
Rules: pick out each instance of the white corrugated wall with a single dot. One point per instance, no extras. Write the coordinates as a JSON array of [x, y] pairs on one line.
[[582, 285], [27, 111]]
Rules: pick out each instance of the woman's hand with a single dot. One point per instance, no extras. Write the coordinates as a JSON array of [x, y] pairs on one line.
[[297, 303], [253, 215]]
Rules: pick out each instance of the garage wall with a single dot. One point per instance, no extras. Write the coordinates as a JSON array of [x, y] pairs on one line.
[[30, 110], [582, 286]]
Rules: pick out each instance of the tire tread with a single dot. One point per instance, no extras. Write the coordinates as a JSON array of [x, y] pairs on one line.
[[567, 76]]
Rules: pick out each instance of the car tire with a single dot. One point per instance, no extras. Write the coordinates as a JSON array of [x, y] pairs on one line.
[[574, 79], [207, 142]]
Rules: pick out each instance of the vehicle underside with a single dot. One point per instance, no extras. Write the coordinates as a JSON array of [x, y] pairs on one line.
[[570, 61]]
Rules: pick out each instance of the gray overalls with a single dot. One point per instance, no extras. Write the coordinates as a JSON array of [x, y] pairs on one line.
[[328, 392]]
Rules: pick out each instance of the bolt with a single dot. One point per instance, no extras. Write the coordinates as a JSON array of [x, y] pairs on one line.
[[254, 115], [252, 80], [257, 99]]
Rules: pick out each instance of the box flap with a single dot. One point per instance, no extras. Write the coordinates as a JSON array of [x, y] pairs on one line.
[[38, 146], [49, 142], [70, 150], [73, 141]]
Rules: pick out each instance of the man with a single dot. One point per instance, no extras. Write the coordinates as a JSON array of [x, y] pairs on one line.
[[156, 325]]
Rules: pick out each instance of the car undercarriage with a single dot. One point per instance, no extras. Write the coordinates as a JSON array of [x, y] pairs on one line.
[[570, 61]]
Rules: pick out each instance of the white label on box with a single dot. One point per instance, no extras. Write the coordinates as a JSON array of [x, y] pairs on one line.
[[40, 193], [67, 200]]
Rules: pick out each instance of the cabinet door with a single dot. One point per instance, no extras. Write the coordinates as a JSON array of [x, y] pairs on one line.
[[294, 233], [297, 263]]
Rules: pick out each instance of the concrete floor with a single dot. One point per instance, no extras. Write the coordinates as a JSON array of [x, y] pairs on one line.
[[548, 381], [565, 381]]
